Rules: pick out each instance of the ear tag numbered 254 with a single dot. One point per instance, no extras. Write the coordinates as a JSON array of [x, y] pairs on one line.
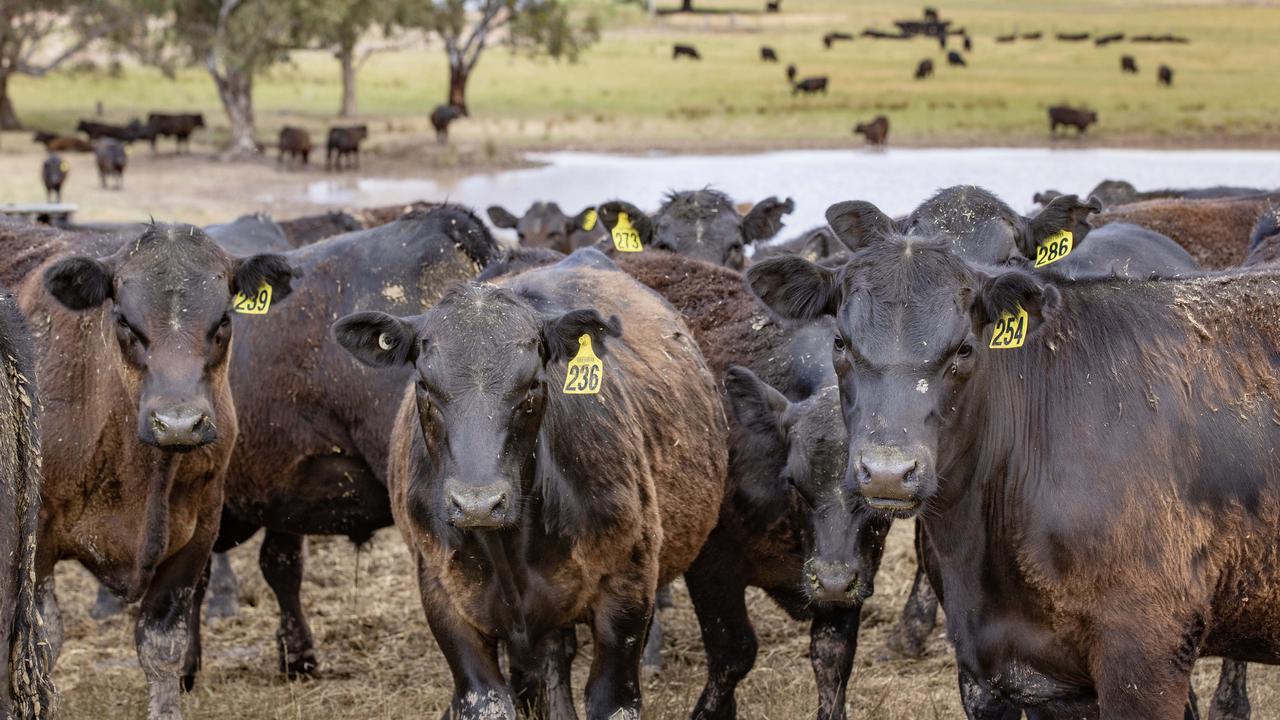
[[1009, 331]]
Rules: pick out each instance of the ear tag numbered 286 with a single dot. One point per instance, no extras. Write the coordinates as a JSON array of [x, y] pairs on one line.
[[585, 373], [1009, 331], [625, 236], [255, 304], [1054, 248]]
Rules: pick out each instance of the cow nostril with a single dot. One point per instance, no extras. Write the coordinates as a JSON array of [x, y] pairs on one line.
[[852, 587], [500, 505], [911, 479], [864, 474], [157, 424], [200, 423]]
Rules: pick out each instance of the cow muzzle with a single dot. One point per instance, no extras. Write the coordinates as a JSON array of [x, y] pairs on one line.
[[890, 480], [178, 428], [476, 507], [834, 583]]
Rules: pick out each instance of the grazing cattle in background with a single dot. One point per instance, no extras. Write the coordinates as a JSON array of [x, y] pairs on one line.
[[810, 85], [546, 225], [876, 131], [1004, 498], [97, 131], [954, 59], [133, 339], [111, 159], [179, 126], [1214, 231], [1104, 40], [968, 43], [1128, 64], [26, 661], [62, 143], [679, 50], [924, 69], [54, 173], [1165, 75], [344, 142], [773, 6], [294, 143], [1067, 116], [830, 38], [1073, 37], [594, 521], [1006, 38], [702, 224], [1032, 35], [442, 117], [768, 54]]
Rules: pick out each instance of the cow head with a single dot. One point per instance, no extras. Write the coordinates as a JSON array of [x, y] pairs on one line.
[[168, 299], [481, 358], [702, 224], [545, 225], [913, 321]]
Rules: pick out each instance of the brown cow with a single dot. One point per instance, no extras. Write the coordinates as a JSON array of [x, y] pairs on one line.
[[138, 424], [876, 131], [1214, 231], [516, 545], [294, 143], [1067, 116]]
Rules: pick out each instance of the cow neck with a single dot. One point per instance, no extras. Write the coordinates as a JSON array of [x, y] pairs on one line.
[[493, 543]]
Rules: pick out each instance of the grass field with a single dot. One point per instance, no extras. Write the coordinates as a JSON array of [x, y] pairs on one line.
[[626, 92]]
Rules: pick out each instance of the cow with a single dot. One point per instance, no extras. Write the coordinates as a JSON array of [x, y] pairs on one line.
[[294, 143], [815, 244], [314, 228], [968, 43], [1122, 192], [249, 234], [954, 59], [61, 143], [1073, 37], [1164, 75], [876, 131], [544, 224], [679, 50], [702, 224], [594, 521], [132, 341], [773, 6], [1128, 64], [1092, 633], [54, 173], [1006, 38], [1067, 116], [344, 142], [1032, 35], [924, 69], [1126, 251], [810, 85], [26, 660], [442, 117], [1212, 230], [179, 126], [111, 160], [832, 37], [768, 54], [97, 131], [1264, 239], [1104, 40]]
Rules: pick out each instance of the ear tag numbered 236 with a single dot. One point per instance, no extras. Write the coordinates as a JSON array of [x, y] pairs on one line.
[[255, 304], [625, 236], [1009, 331], [585, 373], [1054, 248]]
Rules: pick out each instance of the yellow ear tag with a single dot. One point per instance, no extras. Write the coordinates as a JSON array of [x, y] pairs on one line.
[[255, 304], [589, 222], [1054, 248], [1009, 331], [625, 236], [585, 372], [65, 166]]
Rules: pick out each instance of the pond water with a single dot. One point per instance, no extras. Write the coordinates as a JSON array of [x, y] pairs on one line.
[[895, 179]]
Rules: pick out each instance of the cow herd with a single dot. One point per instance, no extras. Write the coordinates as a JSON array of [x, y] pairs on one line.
[[1078, 407]]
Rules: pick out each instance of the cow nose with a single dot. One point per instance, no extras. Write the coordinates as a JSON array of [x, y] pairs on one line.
[[888, 478], [476, 507], [831, 582], [182, 428]]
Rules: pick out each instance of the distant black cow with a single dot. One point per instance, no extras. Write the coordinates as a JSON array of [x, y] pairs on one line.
[[930, 15], [54, 173], [876, 131], [924, 69], [111, 161], [1073, 37], [1072, 117], [773, 6], [1165, 75], [1128, 64], [442, 117], [1032, 35], [97, 130], [344, 142], [176, 125], [1102, 40], [295, 143], [955, 59], [830, 38], [791, 72], [968, 44], [678, 50], [768, 54], [811, 85], [1006, 38]]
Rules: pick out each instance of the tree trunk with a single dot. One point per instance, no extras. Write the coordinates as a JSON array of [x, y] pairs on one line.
[[235, 90], [347, 58], [8, 118], [458, 85]]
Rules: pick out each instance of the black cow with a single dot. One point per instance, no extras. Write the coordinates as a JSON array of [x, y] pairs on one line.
[[54, 172], [111, 161], [955, 59], [1165, 75], [545, 225], [1006, 38], [810, 85], [250, 234], [1073, 37], [1067, 116], [924, 69], [1128, 64], [179, 126], [768, 54], [830, 38], [344, 142], [968, 43], [98, 130], [1104, 40], [442, 117], [1032, 35], [773, 6], [680, 50]]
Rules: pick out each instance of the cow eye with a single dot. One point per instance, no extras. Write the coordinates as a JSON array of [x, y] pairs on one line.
[[965, 351], [838, 344]]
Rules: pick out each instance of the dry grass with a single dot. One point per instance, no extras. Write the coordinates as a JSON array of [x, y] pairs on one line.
[[379, 660]]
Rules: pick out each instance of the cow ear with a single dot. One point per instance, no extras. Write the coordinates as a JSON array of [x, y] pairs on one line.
[[499, 216], [858, 223], [760, 444], [1011, 291], [609, 213], [560, 334], [757, 406], [765, 218], [586, 220], [1064, 212], [79, 282], [821, 244], [795, 288], [378, 339], [250, 273]]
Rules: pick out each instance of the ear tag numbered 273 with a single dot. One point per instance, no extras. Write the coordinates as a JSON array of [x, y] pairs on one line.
[[1054, 248], [585, 373], [1009, 331], [625, 236], [255, 304]]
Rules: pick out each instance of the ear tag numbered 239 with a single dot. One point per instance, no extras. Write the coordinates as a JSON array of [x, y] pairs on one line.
[[1054, 248], [1009, 331], [625, 236], [589, 220], [585, 373], [255, 304]]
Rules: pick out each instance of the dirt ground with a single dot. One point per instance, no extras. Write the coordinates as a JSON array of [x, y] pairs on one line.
[[379, 661]]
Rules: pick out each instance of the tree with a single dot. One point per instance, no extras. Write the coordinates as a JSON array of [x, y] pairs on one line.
[[38, 36], [466, 28], [340, 25]]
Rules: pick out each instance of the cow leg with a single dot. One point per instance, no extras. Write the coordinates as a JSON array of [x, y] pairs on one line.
[[719, 599], [51, 616], [1231, 699], [192, 659], [224, 595], [833, 641], [162, 633], [107, 604], [1135, 680], [619, 625], [652, 661], [559, 680], [281, 560], [920, 613], [980, 704]]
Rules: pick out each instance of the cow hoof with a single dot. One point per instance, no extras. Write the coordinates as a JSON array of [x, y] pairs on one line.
[[188, 683], [301, 667]]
